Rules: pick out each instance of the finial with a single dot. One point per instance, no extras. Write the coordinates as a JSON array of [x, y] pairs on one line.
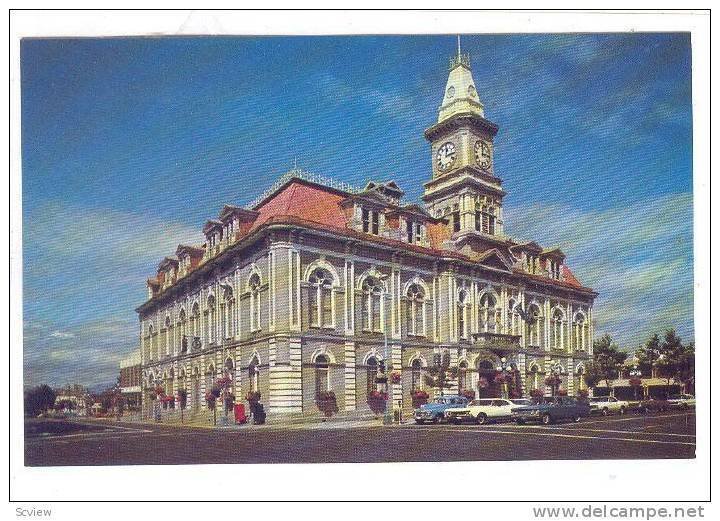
[[459, 53], [460, 59]]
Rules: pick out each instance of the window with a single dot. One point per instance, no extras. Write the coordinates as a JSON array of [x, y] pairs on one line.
[[515, 321], [478, 220], [371, 221], [555, 270], [414, 232], [461, 314], [372, 293], [322, 374], [227, 327], [254, 288], [456, 220], [211, 322], [416, 383], [182, 331], [488, 314], [415, 310], [580, 329], [166, 337], [320, 298], [371, 373], [532, 263], [149, 341], [195, 321], [558, 329], [534, 331]]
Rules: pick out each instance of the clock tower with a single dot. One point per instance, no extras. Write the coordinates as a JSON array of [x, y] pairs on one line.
[[464, 188]]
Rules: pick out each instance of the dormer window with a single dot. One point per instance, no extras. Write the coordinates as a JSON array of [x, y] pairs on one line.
[[414, 232], [554, 270], [485, 220], [371, 221], [532, 263]]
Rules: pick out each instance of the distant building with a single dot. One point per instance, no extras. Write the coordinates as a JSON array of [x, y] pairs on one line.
[[74, 394], [130, 380], [319, 288]]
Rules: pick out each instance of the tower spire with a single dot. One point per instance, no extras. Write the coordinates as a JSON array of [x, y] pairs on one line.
[[460, 93], [459, 53]]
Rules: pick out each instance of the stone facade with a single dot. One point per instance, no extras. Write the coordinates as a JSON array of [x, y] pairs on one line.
[[320, 287]]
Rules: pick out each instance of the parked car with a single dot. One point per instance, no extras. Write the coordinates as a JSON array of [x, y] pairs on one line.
[[682, 401], [551, 409], [607, 405], [434, 411], [653, 405], [485, 410]]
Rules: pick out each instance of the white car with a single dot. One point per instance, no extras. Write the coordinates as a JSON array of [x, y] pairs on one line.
[[607, 405], [484, 410], [682, 401]]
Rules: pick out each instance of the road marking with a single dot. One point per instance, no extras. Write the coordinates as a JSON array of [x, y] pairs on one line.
[[560, 435], [613, 431], [633, 418]]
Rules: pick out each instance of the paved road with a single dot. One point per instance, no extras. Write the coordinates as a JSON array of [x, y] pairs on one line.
[[670, 435]]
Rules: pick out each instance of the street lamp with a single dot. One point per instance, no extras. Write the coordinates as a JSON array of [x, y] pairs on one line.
[[635, 372], [504, 369]]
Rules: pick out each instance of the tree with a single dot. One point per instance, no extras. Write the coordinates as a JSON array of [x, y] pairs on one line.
[[686, 368], [38, 400], [440, 373], [592, 374], [648, 354], [607, 359], [673, 360]]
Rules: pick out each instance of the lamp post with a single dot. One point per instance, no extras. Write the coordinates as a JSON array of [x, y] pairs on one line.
[[387, 418], [635, 373], [556, 381], [504, 370]]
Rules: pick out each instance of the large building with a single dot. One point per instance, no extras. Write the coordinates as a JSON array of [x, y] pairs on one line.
[[131, 380], [317, 286]]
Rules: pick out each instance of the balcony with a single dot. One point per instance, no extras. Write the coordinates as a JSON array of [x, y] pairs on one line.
[[496, 341]]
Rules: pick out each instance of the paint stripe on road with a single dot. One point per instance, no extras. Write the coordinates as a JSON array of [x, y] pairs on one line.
[[517, 432]]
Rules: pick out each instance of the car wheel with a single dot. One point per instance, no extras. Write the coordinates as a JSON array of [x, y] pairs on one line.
[[436, 419], [457, 421], [419, 422], [576, 418], [622, 410], [546, 419], [605, 411], [520, 422], [684, 406], [481, 418]]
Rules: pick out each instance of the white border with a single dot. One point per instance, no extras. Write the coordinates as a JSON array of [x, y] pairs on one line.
[[597, 480]]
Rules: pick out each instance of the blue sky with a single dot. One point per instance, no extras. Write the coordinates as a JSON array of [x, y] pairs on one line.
[[129, 145]]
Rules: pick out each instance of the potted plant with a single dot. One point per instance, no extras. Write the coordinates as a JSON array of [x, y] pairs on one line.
[[327, 403], [468, 393], [562, 392], [377, 401], [419, 398], [395, 377], [536, 394]]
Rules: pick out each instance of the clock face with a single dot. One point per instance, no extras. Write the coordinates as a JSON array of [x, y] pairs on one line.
[[446, 155], [483, 153]]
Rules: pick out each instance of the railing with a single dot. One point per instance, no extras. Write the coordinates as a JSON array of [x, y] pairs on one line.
[[306, 176], [496, 340]]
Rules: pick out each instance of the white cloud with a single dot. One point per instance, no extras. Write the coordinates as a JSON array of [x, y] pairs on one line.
[[62, 334]]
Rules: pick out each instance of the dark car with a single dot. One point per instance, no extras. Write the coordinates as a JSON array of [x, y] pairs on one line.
[[551, 409], [654, 405]]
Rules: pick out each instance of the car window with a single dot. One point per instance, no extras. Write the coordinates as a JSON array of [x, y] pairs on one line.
[[484, 403], [521, 402], [499, 403]]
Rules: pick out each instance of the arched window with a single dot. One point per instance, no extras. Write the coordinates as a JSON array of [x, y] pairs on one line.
[[462, 376], [535, 330], [211, 322], [372, 309], [182, 332], [151, 337], [558, 329], [488, 314], [227, 326], [166, 337], [209, 377], [320, 298], [322, 374], [415, 310], [462, 315], [371, 374], [195, 321], [254, 374], [416, 383], [580, 329], [254, 288], [514, 319]]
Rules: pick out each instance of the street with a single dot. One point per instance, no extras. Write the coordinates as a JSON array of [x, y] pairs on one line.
[[668, 435]]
